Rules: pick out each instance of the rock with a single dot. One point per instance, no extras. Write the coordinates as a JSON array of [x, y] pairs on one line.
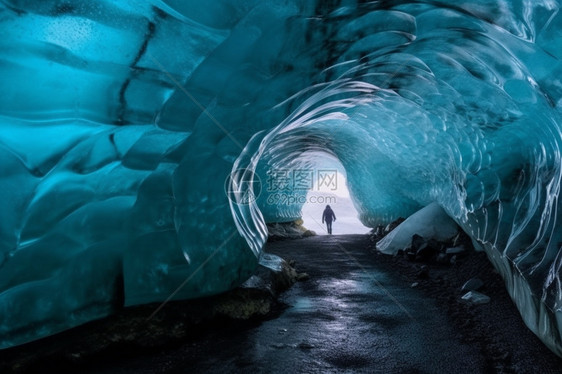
[[410, 255], [275, 272], [476, 298], [418, 242], [256, 296], [426, 253], [457, 238], [473, 284], [442, 258], [423, 272], [435, 244], [424, 249], [394, 224], [288, 230], [455, 250], [453, 260], [244, 305]]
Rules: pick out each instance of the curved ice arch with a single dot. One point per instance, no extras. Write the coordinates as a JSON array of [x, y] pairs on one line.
[[110, 197], [476, 129]]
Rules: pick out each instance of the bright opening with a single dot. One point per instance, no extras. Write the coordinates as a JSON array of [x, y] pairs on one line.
[[331, 189]]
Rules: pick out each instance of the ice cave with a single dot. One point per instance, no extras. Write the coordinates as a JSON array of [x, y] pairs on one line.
[[137, 136]]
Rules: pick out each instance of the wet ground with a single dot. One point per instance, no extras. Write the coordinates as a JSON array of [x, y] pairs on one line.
[[351, 316]]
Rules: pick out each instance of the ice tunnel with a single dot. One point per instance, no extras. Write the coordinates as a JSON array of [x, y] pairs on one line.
[[120, 122]]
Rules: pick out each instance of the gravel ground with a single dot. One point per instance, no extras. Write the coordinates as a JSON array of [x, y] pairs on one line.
[[495, 328], [354, 312]]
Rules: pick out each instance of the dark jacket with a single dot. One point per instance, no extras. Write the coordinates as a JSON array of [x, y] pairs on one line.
[[328, 215]]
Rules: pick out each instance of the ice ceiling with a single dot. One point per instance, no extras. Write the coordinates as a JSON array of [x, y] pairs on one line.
[[120, 122]]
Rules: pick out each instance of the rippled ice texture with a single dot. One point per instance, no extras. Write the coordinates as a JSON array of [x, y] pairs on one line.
[[120, 122]]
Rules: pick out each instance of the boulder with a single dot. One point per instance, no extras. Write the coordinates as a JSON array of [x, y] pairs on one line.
[[476, 298]]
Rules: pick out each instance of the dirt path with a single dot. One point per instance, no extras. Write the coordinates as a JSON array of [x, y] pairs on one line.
[[351, 316]]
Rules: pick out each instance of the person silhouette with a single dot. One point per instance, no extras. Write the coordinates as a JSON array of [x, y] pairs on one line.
[[328, 216]]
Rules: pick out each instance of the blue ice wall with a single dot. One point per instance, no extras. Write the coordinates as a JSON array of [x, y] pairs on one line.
[[121, 121]]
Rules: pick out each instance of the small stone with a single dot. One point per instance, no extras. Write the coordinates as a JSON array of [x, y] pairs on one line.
[[476, 298], [409, 255], [438, 246], [391, 226], [423, 272], [414, 285], [308, 233], [442, 258], [418, 243], [302, 277], [473, 284], [455, 250], [425, 253]]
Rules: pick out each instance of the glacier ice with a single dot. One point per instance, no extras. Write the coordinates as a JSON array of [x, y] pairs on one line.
[[430, 222], [120, 122]]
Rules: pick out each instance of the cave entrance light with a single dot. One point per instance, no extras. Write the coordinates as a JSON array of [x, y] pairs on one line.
[[337, 196]]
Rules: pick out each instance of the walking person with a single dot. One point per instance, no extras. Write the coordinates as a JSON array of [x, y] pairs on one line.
[[328, 216]]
